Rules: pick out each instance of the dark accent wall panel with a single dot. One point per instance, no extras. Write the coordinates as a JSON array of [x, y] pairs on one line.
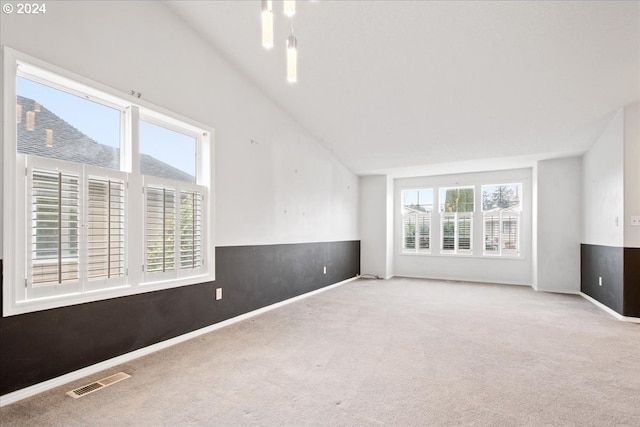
[[631, 282], [39, 346], [606, 262]]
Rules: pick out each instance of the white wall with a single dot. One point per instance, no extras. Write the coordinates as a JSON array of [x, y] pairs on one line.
[[631, 173], [390, 246], [374, 226], [469, 268], [286, 188], [558, 225], [603, 187]]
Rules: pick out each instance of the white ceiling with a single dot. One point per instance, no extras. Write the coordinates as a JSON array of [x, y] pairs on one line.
[[396, 84]]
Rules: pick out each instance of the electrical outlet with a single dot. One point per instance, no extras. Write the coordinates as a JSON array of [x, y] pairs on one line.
[[218, 294], [599, 280], [324, 269], [635, 220]]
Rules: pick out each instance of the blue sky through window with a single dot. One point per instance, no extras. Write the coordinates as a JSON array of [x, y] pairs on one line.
[[171, 147], [97, 121], [102, 124]]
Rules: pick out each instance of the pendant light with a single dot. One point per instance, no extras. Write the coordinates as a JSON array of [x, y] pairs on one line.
[[267, 24], [289, 7], [292, 58]]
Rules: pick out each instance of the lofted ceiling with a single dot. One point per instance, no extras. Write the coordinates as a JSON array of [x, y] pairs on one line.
[[399, 85]]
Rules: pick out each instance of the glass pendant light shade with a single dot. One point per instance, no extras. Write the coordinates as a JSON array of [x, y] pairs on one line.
[[292, 59], [289, 7], [267, 23]]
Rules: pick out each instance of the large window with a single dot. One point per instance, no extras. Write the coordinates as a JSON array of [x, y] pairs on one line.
[[107, 197], [501, 207], [479, 220], [456, 218], [417, 206]]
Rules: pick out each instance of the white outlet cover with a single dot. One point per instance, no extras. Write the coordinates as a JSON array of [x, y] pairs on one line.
[[218, 294], [635, 220]]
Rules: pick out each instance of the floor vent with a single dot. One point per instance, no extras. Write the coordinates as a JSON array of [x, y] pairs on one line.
[[95, 386]]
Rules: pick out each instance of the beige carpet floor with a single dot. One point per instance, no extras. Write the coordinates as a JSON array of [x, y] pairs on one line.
[[401, 352]]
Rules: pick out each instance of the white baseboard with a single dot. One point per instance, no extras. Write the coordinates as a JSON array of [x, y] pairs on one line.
[[459, 279], [110, 363], [610, 310]]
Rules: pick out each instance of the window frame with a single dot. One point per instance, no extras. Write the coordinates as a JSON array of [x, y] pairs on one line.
[[501, 221], [456, 216], [416, 217], [177, 187], [477, 232], [14, 219]]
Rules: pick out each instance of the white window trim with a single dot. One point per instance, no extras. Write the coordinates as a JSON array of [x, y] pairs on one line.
[[14, 201], [477, 234], [456, 251], [416, 215], [518, 212]]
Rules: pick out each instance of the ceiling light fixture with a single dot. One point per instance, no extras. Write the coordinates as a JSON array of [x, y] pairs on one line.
[[289, 7], [292, 58], [267, 23]]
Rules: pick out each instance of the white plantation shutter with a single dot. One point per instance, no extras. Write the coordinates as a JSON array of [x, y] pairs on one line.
[[510, 233], [464, 231], [448, 232], [424, 231], [416, 229], [502, 233], [55, 227], [409, 232], [174, 213], [492, 232], [190, 229], [160, 220], [105, 228], [457, 231]]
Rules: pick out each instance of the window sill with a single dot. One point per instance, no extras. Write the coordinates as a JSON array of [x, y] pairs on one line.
[[416, 253], [440, 255], [71, 299]]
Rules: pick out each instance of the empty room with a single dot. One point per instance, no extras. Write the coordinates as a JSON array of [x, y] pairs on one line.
[[323, 213]]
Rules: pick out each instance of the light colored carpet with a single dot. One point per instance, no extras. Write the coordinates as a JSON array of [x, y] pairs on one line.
[[400, 352]]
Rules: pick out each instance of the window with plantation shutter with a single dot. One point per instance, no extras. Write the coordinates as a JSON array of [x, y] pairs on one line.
[[55, 227], [105, 228], [464, 232], [416, 220], [501, 210], [456, 219], [424, 231], [109, 196], [77, 233], [173, 229], [190, 230], [448, 232], [160, 221], [409, 232]]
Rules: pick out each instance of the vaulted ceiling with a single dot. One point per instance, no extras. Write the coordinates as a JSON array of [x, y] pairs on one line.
[[387, 85]]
